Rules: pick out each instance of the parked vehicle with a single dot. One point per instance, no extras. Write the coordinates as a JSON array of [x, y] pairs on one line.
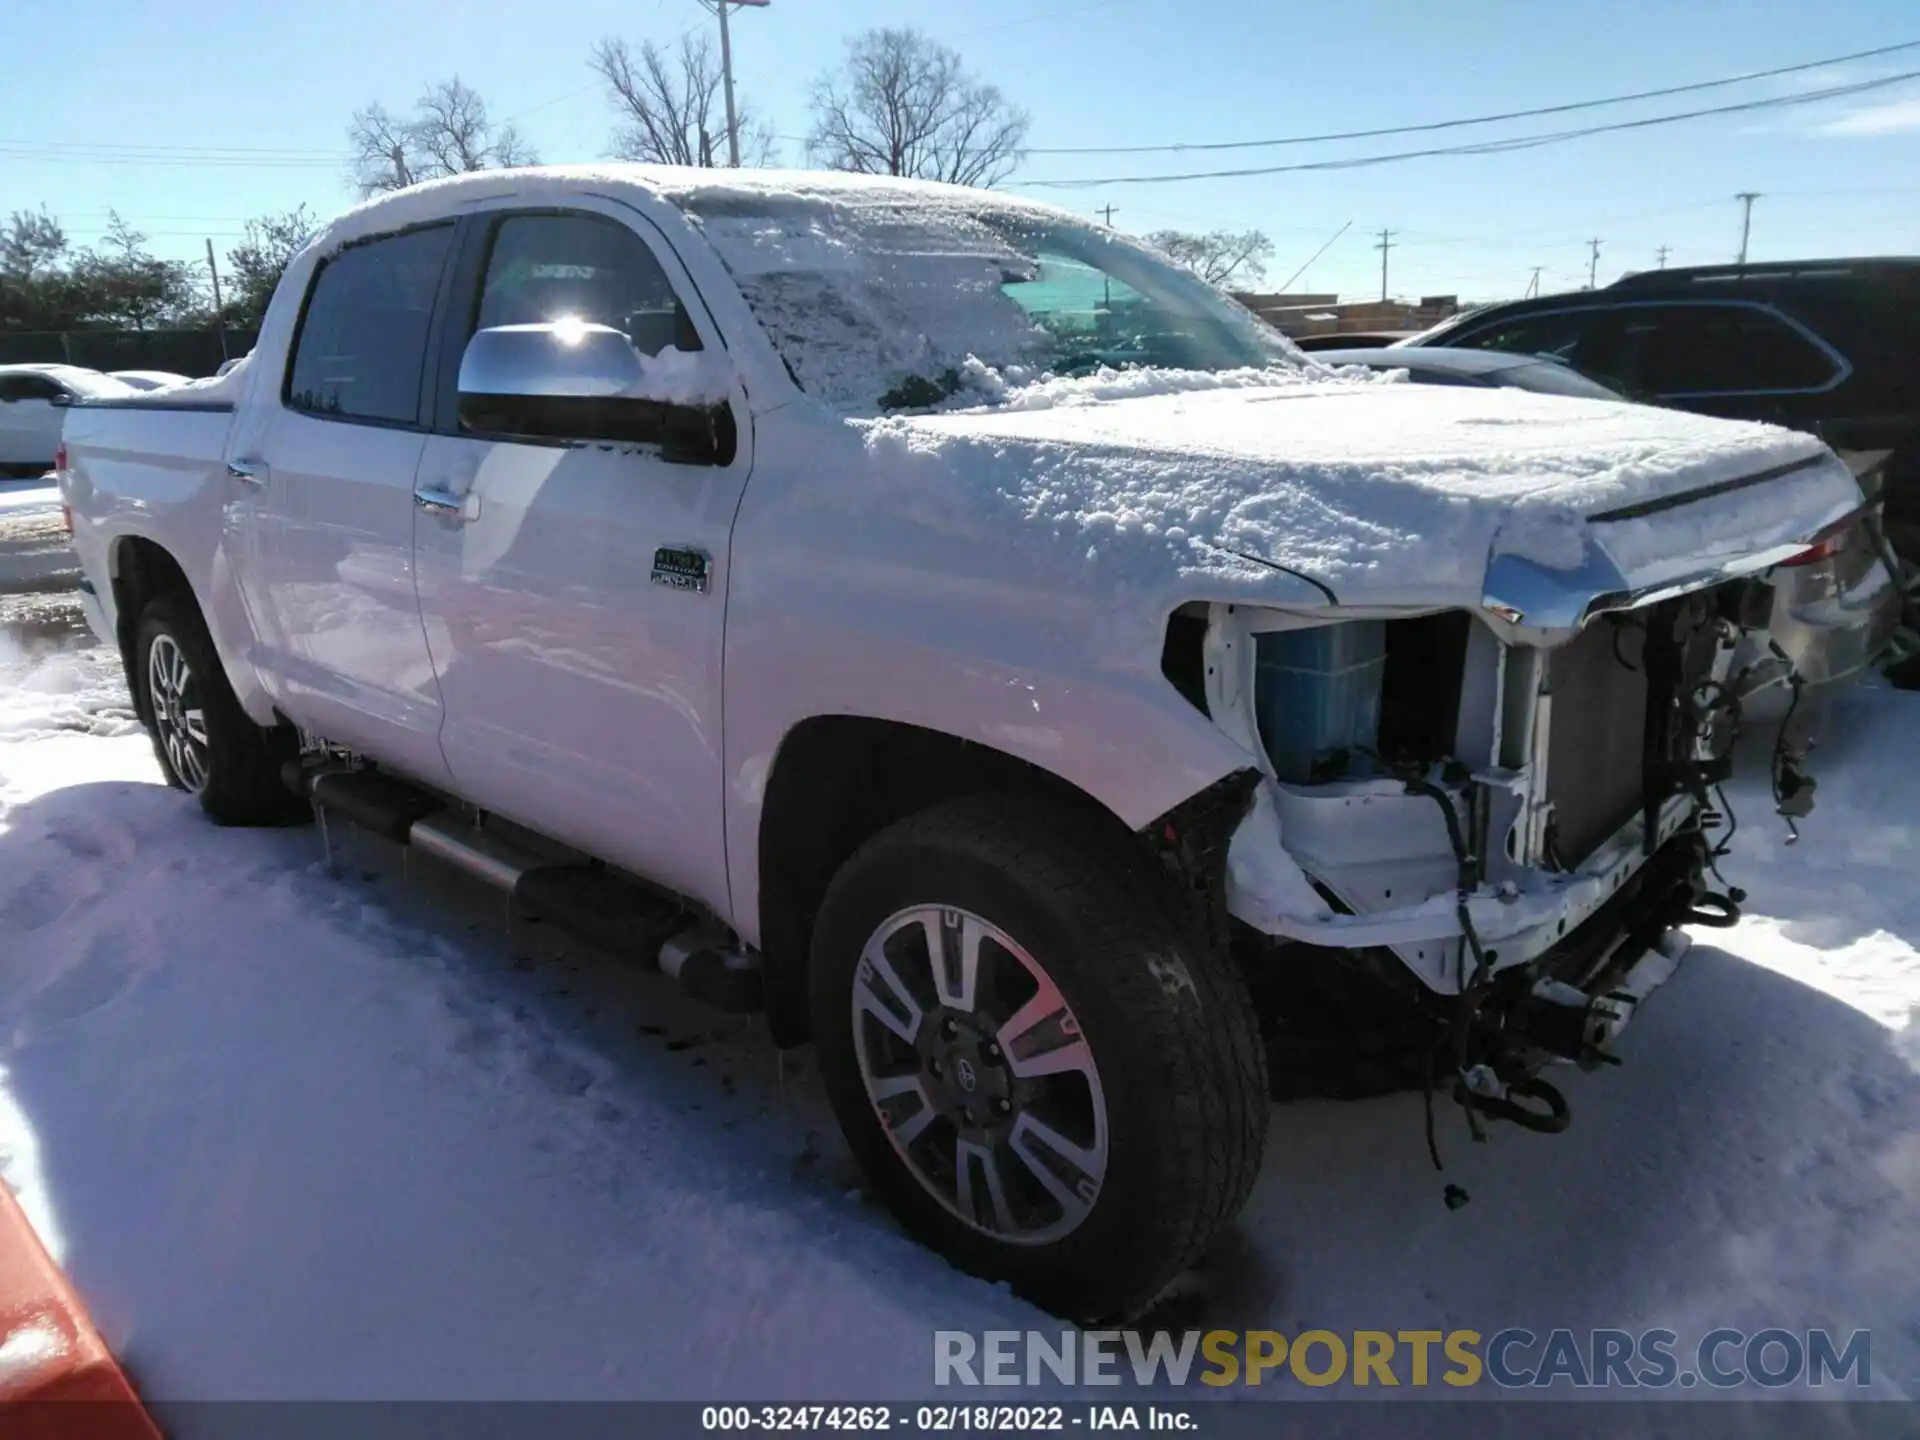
[[1352, 340], [148, 379], [1827, 346], [943, 622], [1833, 610], [33, 402], [1494, 368]]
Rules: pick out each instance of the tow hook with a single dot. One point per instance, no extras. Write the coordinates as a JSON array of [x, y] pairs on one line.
[[1529, 1102], [1721, 912]]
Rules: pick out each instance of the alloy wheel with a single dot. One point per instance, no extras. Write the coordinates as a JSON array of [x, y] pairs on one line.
[[178, 719], [979, 1072]]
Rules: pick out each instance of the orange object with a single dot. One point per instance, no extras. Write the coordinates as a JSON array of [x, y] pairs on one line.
[[58, 1380]]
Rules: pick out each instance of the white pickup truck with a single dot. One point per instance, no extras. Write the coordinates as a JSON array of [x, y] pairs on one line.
[[948, 625]]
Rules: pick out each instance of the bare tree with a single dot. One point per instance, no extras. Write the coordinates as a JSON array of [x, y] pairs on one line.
[[670, 107], [448, 133], [903, 104], [1218, 257], [380, 142]]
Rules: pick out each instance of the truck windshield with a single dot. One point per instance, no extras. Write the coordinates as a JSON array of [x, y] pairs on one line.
[[885, 302]]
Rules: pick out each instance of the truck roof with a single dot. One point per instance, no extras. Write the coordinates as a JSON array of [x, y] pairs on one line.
[[436, 199]]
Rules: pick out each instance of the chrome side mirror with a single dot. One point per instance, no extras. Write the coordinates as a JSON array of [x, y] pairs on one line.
[[60, 401], [559, 360], [571, 380]]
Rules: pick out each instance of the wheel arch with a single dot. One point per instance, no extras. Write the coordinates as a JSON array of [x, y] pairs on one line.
[[838, 780], [142, 570], [140, 567]]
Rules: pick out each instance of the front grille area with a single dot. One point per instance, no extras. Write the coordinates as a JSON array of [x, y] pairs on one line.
[[1609, 686], [1597, 736]]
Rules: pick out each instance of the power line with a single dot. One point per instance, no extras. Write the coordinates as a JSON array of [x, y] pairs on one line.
[[1315, 256], [1484, 147], [1433, 125]]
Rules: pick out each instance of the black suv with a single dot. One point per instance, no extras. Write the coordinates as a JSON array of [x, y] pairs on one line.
[[1829, 346]]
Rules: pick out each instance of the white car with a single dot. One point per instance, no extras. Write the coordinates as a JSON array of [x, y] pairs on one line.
[[148, 379], [942, 622], [33, 405]]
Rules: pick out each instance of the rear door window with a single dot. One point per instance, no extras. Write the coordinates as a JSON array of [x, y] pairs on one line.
[[1718, 349], [1557, 333], [1583, 339], [363, 337]]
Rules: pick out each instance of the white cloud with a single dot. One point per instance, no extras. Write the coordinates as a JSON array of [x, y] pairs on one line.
[[1889, 117]]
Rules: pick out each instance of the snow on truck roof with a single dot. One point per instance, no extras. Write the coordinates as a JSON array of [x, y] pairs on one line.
[[680, 184]]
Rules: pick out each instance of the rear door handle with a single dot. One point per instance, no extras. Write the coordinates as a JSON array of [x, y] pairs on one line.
[[446, 504], [253, 472]]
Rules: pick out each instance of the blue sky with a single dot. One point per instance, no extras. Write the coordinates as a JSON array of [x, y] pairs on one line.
[[1841, 176]]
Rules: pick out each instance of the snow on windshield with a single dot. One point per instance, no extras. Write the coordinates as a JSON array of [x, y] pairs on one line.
[[885, 301]]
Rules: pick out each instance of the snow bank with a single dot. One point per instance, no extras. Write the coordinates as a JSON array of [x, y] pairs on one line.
[[48, 690]]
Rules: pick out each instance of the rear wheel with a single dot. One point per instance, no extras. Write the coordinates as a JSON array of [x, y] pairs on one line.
[[1041, 1074], [205, 742]]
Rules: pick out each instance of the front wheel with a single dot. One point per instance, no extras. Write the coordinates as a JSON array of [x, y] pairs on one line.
[[205, 742], [1039, 1071]]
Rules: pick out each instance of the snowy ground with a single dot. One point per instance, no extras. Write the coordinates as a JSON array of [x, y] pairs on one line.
[[33, 538], [299, 1136]]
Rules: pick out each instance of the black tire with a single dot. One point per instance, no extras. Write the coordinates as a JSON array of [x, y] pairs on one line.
[[1170, 1028], [237, 773]]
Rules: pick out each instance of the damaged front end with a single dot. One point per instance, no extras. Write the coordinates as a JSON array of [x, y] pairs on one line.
[[1472, 838]]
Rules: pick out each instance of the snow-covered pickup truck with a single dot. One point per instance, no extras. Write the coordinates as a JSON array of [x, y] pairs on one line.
[[948, 625]]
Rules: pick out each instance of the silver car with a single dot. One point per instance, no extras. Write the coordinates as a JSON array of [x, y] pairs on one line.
[[33, 406]]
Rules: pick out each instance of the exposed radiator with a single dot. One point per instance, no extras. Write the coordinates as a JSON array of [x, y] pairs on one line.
[[1596, 745], [1598, 731]]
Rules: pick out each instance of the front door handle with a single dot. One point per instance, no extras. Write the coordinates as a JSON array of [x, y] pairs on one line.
[[447, 505], [253, 472]]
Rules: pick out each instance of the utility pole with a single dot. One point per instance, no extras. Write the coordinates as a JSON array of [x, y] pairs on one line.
[[720, 7], [219, 320], [1746, 198], [1533, 285], [1661, 255], [1383, 245], [1105, 212], [1593, 264]]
